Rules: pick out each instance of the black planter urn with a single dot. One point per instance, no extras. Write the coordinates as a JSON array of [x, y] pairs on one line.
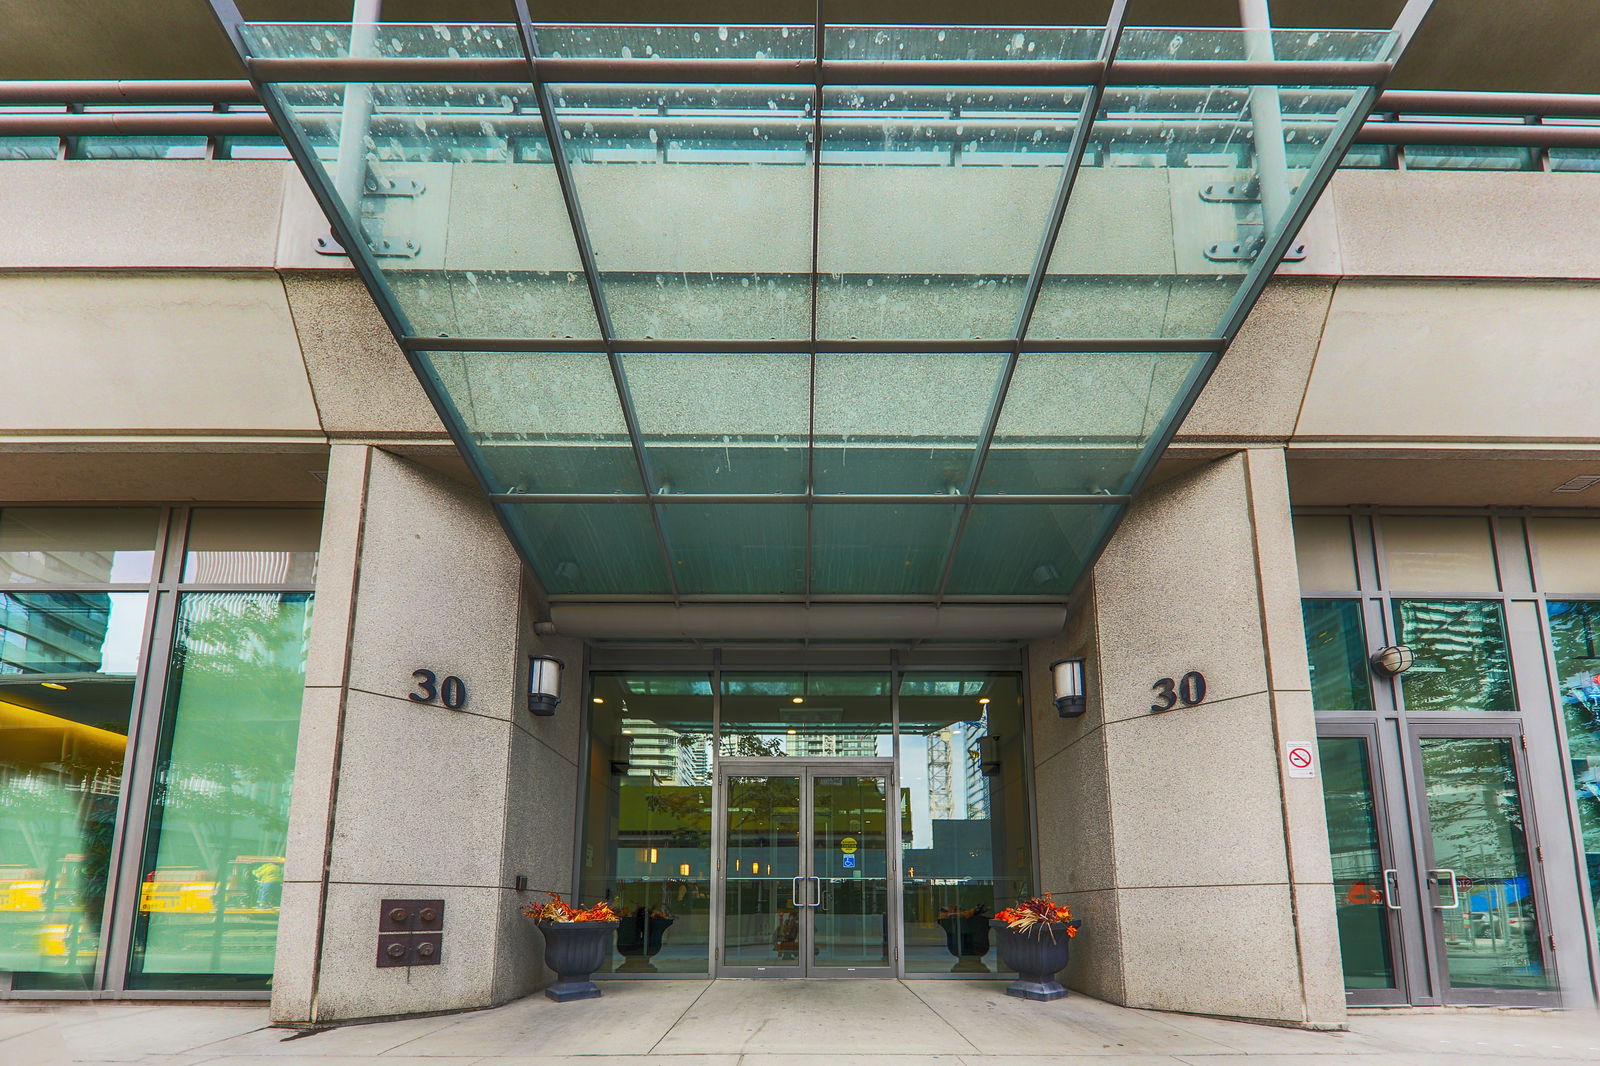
[[574, 950], [1037, 955]]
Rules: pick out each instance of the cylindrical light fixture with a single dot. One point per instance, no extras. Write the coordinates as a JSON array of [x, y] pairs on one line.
[[1394, 660], [1067, 677], [544, 684]]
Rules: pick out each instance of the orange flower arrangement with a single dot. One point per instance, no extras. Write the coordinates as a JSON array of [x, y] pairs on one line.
[[559, 910], [1039, 910]]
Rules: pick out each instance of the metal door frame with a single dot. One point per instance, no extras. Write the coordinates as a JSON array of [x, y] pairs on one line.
[[1450, 728], [1397, 858], [807, 771]]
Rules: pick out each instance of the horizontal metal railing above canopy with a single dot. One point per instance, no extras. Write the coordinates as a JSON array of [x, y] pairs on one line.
[[1400, 117]]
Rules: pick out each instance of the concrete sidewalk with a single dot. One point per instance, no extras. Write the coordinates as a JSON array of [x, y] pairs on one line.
[[786, 1023]]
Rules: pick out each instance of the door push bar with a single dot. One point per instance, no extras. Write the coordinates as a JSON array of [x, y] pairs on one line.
[[1455, 889], [795, 888]]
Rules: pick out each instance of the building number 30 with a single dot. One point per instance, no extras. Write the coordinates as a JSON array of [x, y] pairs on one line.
[[1188, 690], [452, 691]]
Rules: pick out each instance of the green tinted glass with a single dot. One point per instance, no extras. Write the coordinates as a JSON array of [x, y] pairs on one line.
[[723, 423], [1574, 629], [681, 207], [1027, 549], [1336, 646], [647, 818], [590, 547], [737, 548], [212, 880], [901, 423], [68, 665], [1482, 884], [1076, 423], [1462, 663], [1359, 888], [542, 422], [453, 191], [887, 549]]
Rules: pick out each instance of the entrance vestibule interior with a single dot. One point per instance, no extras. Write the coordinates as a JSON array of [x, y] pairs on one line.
[[839, 822]]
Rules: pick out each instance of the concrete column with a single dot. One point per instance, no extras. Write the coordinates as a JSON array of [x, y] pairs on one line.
[[399, 799], [1201, 868]]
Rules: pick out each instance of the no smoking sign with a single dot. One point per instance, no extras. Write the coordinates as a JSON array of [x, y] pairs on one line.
[[1301, 759]]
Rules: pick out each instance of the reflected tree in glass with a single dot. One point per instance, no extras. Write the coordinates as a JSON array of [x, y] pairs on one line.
[[1574, 627], [1491, 923], [212, 879], [1462, 661], [1358, 883], [68, 661]]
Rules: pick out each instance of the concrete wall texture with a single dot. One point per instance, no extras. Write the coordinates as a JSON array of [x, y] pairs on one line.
[[166, 333]]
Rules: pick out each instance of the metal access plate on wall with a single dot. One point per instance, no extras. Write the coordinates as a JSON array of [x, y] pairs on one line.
[[410, 932]]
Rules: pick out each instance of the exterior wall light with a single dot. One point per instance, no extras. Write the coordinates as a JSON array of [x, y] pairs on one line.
[[989, 755], [544, 684], [1393, 660], [1067, 677]]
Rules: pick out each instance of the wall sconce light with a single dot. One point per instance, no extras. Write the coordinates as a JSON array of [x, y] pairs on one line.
[[1067, 678], [621, 753], [1393, 661], [544, 684], [989, 755]]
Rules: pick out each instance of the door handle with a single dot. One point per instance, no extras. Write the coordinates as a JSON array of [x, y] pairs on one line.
[[794, 891], [817, 902], [1391, 889], [1455, 890]]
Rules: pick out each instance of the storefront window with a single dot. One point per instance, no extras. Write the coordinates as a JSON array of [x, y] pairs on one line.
[[212, 880], [68, 666], [965, 836], [647, 822], [1574, 628], [1337, 649], [113, 628]]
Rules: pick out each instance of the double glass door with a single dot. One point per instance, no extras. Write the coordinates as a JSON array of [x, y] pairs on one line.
[[804, 868], [1436, 864]]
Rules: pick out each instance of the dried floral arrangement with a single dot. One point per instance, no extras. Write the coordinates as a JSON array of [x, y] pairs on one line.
[[559, 910], [1038, 911]]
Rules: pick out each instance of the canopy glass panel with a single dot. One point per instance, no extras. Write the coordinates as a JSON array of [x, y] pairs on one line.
[[724, 312]]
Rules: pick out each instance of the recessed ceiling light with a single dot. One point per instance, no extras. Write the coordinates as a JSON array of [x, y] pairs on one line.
[[1578, 484], [985, 700], [597, 699], [52, 684], [798, 699]]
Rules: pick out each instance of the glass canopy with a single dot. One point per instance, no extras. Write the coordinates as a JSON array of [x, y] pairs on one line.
[[745, 312]]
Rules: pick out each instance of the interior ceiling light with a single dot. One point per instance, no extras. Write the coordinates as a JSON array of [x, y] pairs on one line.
[[52, 684], [1578, 484]]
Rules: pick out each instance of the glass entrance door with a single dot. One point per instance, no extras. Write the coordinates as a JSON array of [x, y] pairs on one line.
[[1480, 893], [1435, 885], [804, 880]]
